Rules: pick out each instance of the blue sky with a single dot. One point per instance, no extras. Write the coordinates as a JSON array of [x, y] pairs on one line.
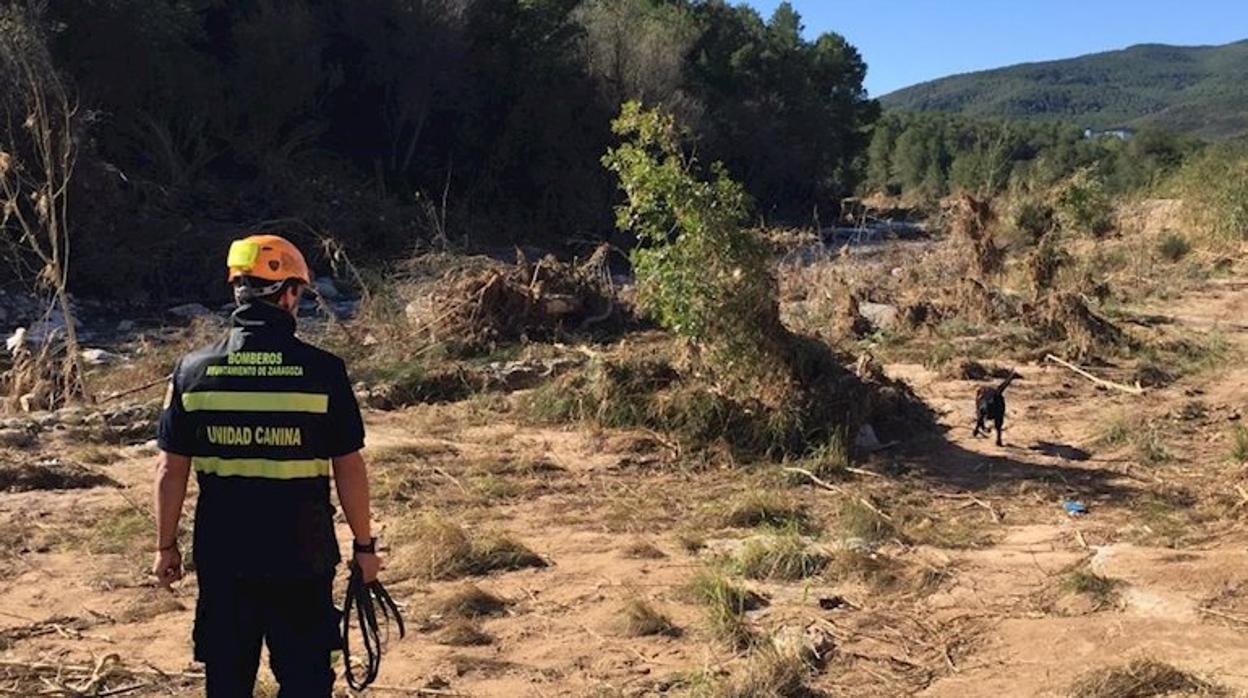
[[909, 41]]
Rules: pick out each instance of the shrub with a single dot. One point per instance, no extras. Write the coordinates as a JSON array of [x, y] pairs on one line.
[[1214, 188], [700, 272], [1173, 247], [1083, 205]]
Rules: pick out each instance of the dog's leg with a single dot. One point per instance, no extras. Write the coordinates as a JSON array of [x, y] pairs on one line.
[[979, 426], [998, 423]]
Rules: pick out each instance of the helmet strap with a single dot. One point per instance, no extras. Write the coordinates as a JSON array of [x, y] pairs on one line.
[[244, 293]]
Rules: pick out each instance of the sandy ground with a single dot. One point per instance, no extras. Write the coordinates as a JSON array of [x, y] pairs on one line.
[[995, 620]]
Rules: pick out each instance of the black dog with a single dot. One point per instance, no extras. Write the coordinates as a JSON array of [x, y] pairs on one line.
[[990, 404]]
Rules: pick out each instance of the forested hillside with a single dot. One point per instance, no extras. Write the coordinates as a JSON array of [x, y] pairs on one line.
[[1195, 90], [391, 125]]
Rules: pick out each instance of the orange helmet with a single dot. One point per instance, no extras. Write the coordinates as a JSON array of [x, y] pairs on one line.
[[267, 257]]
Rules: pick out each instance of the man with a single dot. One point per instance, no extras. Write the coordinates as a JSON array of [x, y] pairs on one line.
[[263, 419]]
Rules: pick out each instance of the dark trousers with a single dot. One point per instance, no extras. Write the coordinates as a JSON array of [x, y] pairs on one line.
[[295, 618]]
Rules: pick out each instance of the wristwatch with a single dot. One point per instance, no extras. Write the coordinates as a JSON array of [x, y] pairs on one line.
[[369, 547]]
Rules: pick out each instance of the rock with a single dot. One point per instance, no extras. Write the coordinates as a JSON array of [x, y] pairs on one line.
[[866, 439], [70, 417], [51, 326], [882, 315], [125, 326], [98, 357], [189, 311], [16, 438], [15, 340], [325, 286]]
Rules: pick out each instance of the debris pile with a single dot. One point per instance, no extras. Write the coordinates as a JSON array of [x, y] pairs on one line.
[[479, 307]]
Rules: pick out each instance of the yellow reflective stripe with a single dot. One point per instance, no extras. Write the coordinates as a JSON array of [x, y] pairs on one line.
[[261, 467], [255, 402]]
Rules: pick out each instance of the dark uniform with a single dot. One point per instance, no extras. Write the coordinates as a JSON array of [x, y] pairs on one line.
[[261, 414]]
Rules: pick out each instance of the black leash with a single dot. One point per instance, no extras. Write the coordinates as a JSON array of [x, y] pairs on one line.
[[366, 598]]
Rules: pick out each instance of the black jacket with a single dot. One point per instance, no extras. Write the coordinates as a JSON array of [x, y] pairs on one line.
[[260, 413]]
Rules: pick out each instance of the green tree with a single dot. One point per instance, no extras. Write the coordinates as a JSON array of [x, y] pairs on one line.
[[700, 272]]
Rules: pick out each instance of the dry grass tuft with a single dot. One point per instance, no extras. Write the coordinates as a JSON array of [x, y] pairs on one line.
[[861, 523], [49, 475], [148, 605], [637, 618], [642, 550], [464, 633], [433, 547], [119, 532], [469, 601], [726, 604], [768, 673], [764, 508], [1103, 591], [784, 557], [878, 572], [1143, 678]]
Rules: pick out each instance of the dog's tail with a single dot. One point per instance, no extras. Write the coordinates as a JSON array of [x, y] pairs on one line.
[[1006, 383]]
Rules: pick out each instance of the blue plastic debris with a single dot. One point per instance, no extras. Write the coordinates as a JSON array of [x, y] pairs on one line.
[[1074, 508]]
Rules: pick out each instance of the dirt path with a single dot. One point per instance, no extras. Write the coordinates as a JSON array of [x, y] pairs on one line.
[[998, 618]]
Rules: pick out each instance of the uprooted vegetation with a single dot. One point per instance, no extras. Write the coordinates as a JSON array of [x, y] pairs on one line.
[[1014, 278], [1143, 678]]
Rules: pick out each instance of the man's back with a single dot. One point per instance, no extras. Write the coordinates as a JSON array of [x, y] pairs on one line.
[[261, 414]]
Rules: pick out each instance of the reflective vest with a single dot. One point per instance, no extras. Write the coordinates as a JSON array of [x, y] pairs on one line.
[[261, 414]]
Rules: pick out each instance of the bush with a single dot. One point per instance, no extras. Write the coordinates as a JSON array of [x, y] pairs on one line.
[[700, 272], [1173, 247], [1083, 206], [1214, 188]]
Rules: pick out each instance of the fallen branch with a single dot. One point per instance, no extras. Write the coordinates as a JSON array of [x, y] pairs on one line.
[[1221, 614], [839, 490], [1137, 389], [146, 386], [973, 500]]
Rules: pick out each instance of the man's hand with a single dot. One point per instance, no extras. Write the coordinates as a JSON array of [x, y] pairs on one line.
[[168, 567], [370, 565]]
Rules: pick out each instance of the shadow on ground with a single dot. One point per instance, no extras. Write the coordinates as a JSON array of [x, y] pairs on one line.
[[1047, 465]]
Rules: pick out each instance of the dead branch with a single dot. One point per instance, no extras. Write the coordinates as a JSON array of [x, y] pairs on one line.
[[1221, 614], [973, 500], [1137, 389], [131, 391], [839, 490]]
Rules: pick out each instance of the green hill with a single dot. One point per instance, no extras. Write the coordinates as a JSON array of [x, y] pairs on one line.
[[1198, 90]]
